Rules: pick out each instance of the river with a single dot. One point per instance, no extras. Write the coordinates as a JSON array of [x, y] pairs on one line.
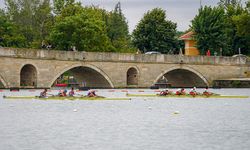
[[137, 124]]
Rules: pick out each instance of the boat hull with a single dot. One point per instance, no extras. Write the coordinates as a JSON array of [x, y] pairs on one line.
[[187, 96], [62, 98]]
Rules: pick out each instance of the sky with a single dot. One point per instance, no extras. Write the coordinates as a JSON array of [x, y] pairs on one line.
[[178, 11]]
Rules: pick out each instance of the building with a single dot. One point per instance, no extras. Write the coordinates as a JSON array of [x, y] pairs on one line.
[[190, 44]]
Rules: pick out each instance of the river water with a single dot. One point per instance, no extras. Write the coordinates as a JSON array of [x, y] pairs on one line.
[[138, 124]]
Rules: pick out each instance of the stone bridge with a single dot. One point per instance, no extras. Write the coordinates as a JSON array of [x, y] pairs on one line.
[[24, 68]]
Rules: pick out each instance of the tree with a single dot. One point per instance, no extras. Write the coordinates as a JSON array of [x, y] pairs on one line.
[[59, 5], [242, 23], [117, 29], [32, 17], [226, 3], [43, 22], [209, 26], [154, 32], [233, 40], [82, 28], [9, 35]]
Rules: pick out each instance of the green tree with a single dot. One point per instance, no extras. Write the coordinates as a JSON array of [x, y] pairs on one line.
[[209, 27], [117, 29], [33, 17], [242, 23], [43, 22], [155, 33], [233, 40], [81, 27], [59, 5], [229, 3], [9, 35]]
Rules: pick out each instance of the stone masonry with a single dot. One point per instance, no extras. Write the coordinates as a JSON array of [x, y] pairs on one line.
[[113, 67]]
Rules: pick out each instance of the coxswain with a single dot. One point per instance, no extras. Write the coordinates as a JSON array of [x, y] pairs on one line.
[[91, 93], [43, 94], [72, 92]]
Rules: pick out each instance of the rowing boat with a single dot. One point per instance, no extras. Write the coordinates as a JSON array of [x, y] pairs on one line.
[[64, 98], [187, 96]]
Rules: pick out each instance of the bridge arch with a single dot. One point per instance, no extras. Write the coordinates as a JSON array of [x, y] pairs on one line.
[[28, 75], [132, 76], [2, 82], [183, 77], [89, 74]]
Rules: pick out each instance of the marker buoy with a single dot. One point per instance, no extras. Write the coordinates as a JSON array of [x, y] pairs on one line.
[[176, 112]]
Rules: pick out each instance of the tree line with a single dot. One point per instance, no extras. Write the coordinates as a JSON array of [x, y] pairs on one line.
[[224, 28], [68, 25]]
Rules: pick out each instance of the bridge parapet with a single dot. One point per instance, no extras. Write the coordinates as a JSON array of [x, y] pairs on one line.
[[120, 57]]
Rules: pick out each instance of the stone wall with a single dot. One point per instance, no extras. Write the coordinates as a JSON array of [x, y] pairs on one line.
[[119, 57]]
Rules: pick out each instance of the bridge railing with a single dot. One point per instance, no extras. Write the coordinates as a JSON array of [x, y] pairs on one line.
[[120, 57]]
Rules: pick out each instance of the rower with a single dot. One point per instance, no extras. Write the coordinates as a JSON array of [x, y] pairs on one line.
[[91, 93], [63, 94], [72, 93], [164, 93], [180, 92], [43, 94], [193, 91], [206, 92]]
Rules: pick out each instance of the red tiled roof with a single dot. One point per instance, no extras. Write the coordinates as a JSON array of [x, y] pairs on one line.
[[187, 35]]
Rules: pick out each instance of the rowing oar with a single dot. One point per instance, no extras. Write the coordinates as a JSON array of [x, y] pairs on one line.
[[79, 94], [51, 94]]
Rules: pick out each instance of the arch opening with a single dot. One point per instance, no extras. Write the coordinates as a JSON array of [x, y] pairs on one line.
[[83, 76], [28, 76], [132, 76], [182, 78]]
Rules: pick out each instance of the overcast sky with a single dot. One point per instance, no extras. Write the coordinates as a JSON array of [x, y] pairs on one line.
[[179, 11]]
